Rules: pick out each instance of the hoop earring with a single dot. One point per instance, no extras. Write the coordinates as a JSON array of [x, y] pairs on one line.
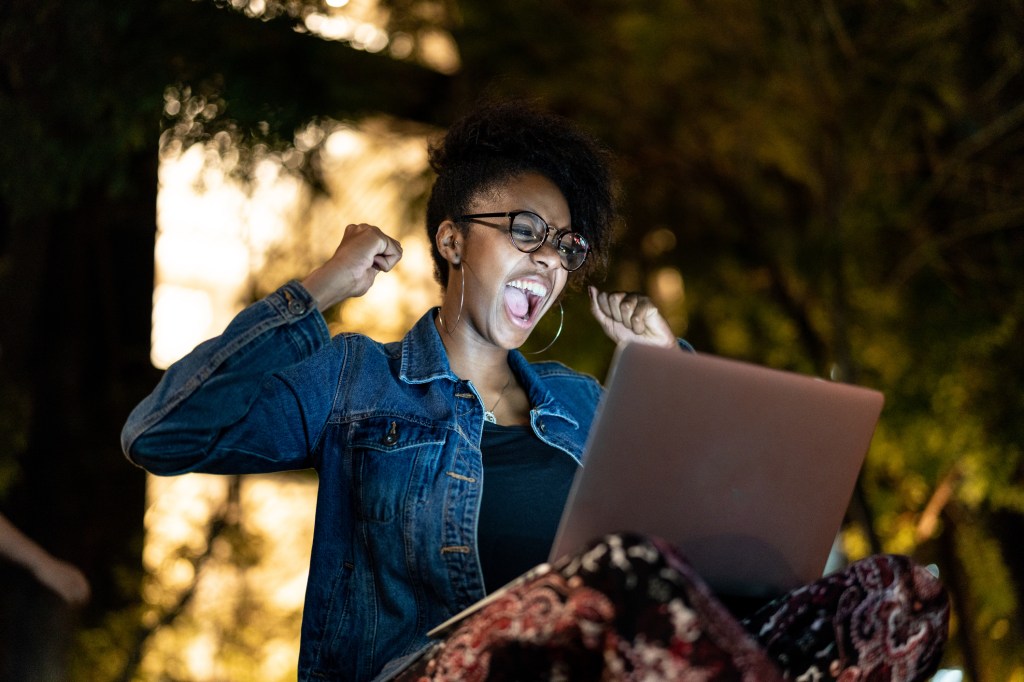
[[462, 299], [561, 321]]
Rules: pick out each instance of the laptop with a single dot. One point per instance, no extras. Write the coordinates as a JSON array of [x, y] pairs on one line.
[[747, 470]]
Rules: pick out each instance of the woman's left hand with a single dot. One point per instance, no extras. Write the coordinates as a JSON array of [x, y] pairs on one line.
[[630, 318]]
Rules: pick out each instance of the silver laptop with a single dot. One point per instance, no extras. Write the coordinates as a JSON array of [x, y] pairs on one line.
[[747, 470]]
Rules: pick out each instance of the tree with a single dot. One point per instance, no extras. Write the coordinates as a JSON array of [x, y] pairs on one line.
[[81, 101], [838, 186]]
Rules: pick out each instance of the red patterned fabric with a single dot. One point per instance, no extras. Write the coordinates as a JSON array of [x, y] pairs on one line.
[[630, 608], [883, 618]]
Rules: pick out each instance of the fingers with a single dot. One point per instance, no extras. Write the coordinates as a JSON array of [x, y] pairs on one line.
[[630, 317], [625, 308], [384, 251], [389, 256], [366, 247], [365, 250]]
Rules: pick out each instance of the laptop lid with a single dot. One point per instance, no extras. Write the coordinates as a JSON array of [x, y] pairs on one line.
[[747, 470]]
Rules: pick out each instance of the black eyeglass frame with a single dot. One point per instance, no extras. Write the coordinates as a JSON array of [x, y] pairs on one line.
[[511, 215]]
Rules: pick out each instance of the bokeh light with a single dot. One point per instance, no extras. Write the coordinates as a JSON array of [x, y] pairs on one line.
[[219, 549]]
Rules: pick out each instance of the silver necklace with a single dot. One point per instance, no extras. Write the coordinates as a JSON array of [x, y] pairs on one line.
[[489, 414]]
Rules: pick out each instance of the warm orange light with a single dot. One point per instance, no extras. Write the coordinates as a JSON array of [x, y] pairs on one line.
[[218, 241]]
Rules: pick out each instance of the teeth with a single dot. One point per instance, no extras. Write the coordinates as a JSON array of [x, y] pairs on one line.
[[530, 287]]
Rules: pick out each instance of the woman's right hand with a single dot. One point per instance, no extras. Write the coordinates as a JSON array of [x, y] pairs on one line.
[[363, 252]]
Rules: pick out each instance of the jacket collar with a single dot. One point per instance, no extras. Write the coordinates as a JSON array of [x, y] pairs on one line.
[[543, 401], [423, 355], [424, 359]]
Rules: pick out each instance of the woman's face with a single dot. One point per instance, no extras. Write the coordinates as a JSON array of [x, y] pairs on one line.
[[508, 291]]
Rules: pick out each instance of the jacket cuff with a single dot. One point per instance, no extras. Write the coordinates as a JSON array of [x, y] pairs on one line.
[[685, 345], [292, 301]]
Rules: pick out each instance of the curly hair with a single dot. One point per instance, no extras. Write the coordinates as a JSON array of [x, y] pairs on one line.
[[500, 141]]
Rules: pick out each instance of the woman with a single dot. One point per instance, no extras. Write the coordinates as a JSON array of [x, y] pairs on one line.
[[403, 435]]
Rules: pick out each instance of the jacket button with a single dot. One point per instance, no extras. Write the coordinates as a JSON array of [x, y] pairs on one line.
[[296, 307], [391, 437], [540, 425]]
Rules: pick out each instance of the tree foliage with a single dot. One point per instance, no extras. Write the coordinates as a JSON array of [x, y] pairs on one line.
[[83, 93], [842, 187]]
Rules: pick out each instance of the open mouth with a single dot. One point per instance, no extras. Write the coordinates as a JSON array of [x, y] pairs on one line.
[[523, 298]]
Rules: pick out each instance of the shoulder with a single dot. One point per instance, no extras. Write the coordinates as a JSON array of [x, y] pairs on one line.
[[551, 369], [354, 342], [345, 350], [561, 379]]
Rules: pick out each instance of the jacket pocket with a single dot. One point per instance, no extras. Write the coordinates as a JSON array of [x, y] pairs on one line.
[[335, 629], [385, 450]]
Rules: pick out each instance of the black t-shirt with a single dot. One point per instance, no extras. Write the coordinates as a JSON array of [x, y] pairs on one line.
[[526, 483]]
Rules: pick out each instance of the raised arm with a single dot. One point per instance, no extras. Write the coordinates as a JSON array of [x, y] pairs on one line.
[[224, 408]]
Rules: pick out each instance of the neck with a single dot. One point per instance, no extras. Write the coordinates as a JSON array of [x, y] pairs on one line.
[[484, 364]]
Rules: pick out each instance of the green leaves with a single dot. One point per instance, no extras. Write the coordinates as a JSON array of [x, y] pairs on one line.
[[844, 189]]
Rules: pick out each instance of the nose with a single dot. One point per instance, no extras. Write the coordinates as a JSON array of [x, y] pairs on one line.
[[547, 254]]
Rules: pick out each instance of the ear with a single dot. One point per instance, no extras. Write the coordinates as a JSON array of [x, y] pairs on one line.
[[449, 243]]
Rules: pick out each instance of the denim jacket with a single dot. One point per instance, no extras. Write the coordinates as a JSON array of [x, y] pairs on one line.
[[394, 436]]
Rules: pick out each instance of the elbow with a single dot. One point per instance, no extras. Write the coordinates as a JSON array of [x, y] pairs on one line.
[[161, 454]]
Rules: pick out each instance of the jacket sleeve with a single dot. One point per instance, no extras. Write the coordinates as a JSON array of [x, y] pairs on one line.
[[224, 408]]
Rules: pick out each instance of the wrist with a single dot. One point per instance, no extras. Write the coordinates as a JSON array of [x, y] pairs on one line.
[[323, 289]]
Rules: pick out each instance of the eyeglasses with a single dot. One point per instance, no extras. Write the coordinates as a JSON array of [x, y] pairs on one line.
[[528, 232]]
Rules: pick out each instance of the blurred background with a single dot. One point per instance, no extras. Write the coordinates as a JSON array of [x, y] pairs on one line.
[[834, 187]]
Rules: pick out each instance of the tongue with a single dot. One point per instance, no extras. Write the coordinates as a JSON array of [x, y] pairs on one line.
[[516, 301]]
